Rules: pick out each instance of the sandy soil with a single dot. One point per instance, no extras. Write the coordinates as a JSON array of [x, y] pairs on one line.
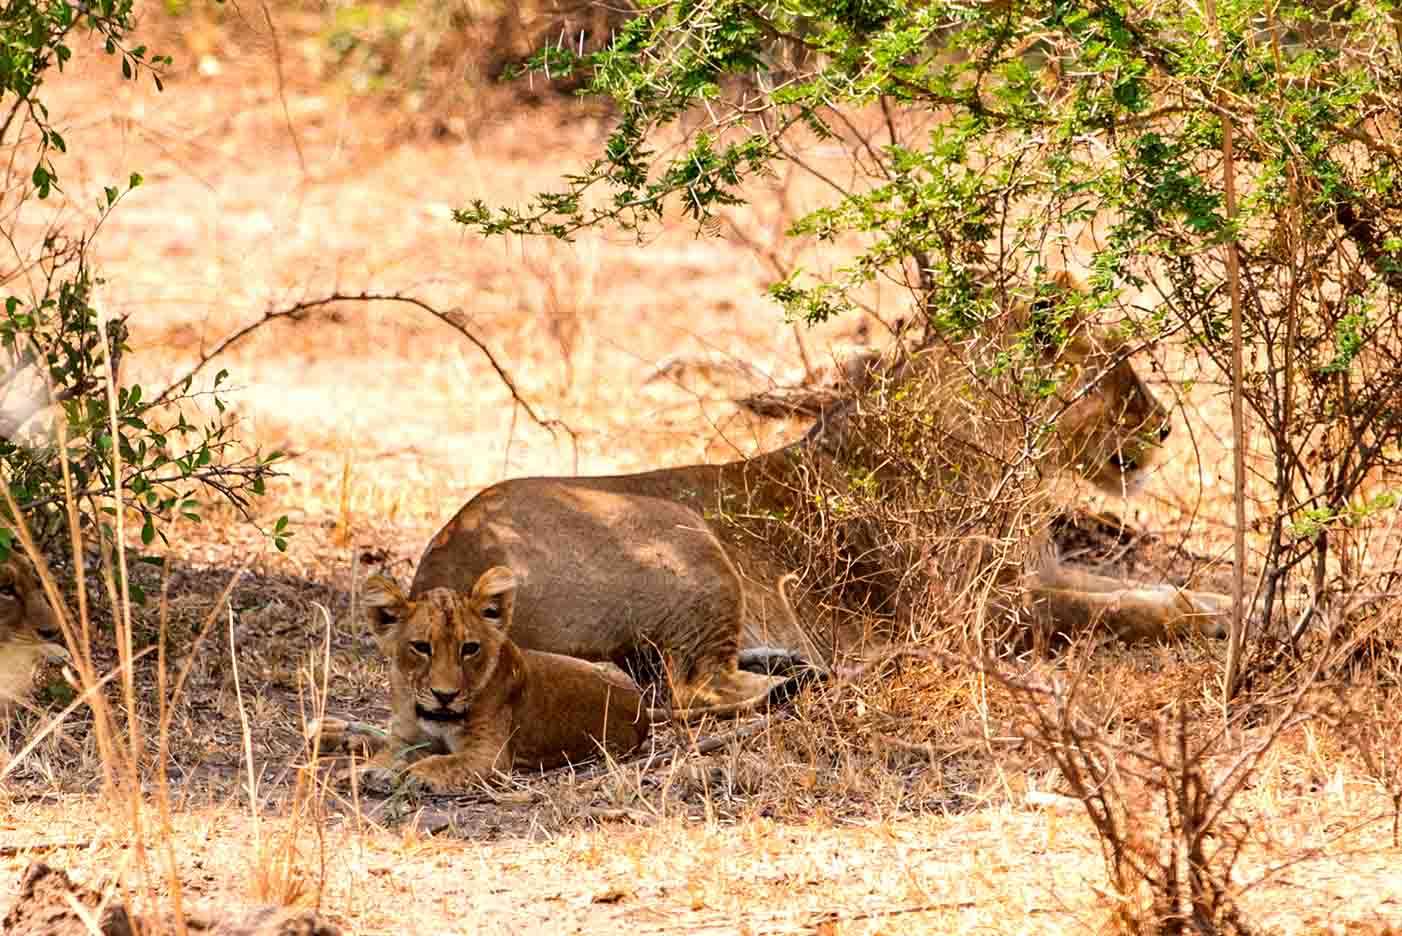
[[998, 870]]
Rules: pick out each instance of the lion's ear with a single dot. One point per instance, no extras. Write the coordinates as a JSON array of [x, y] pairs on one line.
[[384, 603], [493, 595]]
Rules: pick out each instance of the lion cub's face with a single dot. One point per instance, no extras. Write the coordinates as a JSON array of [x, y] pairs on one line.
[[29, 629], [443, 646]]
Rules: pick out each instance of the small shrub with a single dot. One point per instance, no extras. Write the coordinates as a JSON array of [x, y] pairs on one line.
[[69, 427]]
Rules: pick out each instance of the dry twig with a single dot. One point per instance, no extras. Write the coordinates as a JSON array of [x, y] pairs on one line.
[[454, 318]]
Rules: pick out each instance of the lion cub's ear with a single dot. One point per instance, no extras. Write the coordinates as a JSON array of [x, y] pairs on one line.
[[493, 594], [384, 604]]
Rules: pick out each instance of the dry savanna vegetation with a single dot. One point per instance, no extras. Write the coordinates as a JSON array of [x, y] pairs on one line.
[[292, 248]]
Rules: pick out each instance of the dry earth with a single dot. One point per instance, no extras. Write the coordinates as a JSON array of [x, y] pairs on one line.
[[259, 195]]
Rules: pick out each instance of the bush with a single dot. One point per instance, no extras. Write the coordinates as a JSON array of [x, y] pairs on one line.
[[64, 412]]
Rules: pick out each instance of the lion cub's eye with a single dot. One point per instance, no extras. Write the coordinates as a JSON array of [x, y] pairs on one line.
[[492, 612], [8, 591], [470, 648], [421, 646]]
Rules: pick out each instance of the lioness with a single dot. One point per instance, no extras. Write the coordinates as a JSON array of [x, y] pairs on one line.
[[610, 566], [29, 632], [461, 686]]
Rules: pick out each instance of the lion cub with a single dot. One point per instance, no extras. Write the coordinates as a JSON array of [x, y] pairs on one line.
[[459, 685]]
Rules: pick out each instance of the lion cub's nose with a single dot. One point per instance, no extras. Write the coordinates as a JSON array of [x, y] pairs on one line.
[[445, 697]]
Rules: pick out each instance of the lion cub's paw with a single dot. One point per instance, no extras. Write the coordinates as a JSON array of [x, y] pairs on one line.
[[330, 732], [338, 735], [400, 778], [433, 775], [383, 781]]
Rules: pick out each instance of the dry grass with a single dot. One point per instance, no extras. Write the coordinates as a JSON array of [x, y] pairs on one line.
[[897, 804], [1000, 869]]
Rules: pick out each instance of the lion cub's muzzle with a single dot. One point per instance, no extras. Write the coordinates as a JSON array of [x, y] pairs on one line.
[[440, 714], [443, 710]]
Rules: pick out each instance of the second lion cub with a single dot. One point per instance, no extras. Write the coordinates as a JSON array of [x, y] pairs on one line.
[[460, 686]]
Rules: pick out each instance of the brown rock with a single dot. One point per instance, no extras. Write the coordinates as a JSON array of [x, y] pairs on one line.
[[45, 907]]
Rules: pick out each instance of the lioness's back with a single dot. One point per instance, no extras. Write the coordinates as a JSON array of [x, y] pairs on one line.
[[599, 564]]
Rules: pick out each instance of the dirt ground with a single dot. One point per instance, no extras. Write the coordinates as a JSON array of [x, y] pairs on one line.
[[265, 186], [996, 870]]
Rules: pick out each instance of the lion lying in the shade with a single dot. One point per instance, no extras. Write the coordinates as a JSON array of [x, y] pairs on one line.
[[685, 561], [466, 702]]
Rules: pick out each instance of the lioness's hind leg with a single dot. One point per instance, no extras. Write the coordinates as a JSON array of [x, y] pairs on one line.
[[714, 681], [729, 694], [1133, 613], [699, 656], [745, 681]]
